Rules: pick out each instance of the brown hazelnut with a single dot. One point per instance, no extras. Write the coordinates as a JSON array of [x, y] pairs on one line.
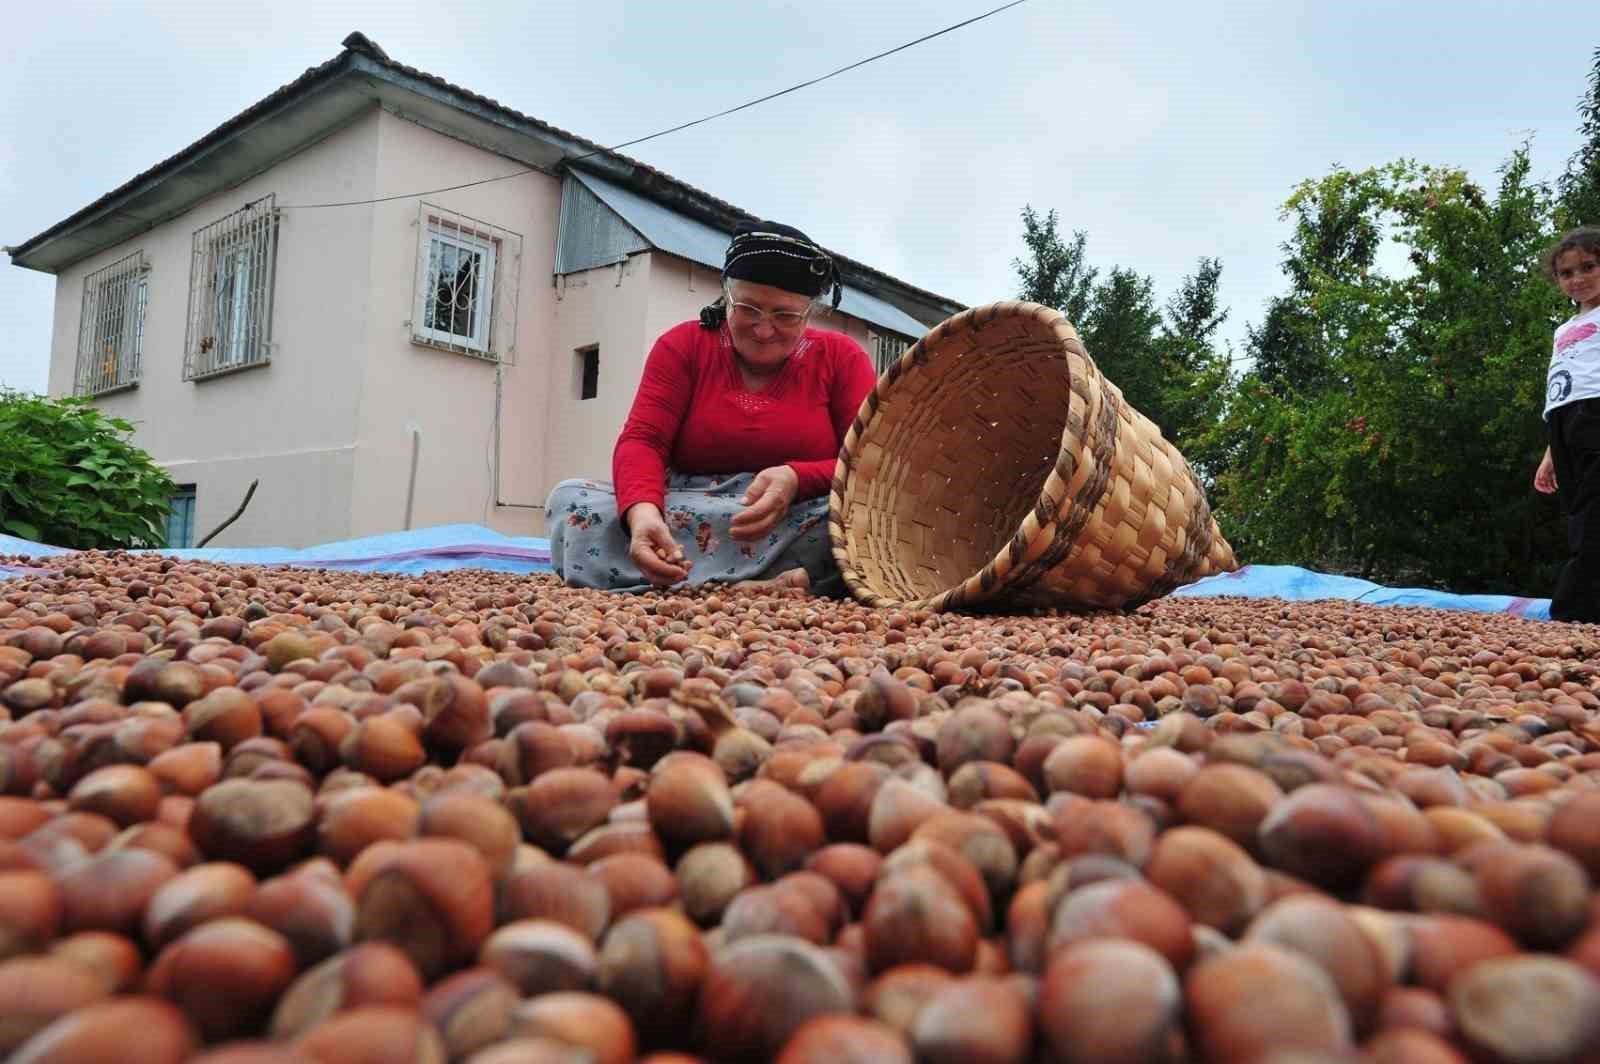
[[1229, 798], [586, 1021], [135, 1030], [540, 957], [37, 991], [312, 911], [1320, 929], [225, 975], [431, 897], [1324, 834], [373, 973], [109, 892], [556, 891], [30, 912], [477, 820], [373, 1032], [1126, 908], [833, 1039], [913, 916], [652, 963], [560, 805], [1209, 875], [758, 991], [780, 829], [1528, 1008], [355, 819], [634, 881], [1088, 765], [470, 1009], [383, 747], [710, 876], [1224, 999], [128, 794], [1081, 978], [263, 825], [688, 801], [195, 895], [974, 1018]]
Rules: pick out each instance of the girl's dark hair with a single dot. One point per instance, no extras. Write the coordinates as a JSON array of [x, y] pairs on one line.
[[1583, 238]]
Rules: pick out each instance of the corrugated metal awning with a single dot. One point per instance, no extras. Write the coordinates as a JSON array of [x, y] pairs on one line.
[[688, 238]]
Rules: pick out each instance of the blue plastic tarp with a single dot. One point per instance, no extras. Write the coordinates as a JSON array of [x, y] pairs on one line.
[[1300, 585], [446, 547], [420, 550]]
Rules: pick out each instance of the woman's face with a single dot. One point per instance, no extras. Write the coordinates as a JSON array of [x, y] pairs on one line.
[[766, 322], [1578, 274]]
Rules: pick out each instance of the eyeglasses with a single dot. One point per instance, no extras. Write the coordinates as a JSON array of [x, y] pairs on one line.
[[749, 316]]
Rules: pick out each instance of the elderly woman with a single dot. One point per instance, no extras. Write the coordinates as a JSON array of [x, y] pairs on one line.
[[722, 469]]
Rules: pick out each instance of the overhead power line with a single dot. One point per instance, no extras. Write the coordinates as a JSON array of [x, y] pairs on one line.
[[673, 129]]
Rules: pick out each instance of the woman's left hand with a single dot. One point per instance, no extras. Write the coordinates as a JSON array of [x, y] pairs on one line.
[[766, 501]]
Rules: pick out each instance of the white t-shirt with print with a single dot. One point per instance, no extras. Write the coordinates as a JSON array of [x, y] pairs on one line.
[[1574, 362]]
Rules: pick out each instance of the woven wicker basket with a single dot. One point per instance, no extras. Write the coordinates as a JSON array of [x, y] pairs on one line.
[[993, 466]]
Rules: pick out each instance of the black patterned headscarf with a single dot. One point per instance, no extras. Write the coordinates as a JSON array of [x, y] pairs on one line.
[[778, 255]]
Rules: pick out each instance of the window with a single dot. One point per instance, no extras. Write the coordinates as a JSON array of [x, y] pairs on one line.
[[466, 285], [586, 371], [180, 522], [885, 348], [230, 292], [111, 326]]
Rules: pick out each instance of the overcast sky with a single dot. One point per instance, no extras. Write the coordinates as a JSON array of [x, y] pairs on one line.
[[1167, 130]]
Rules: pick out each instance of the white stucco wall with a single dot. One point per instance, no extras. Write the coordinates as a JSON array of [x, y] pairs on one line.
[[290, 423], [328, 425], [450, 397]]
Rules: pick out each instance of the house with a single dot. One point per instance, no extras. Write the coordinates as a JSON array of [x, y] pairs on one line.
[[276, 302]]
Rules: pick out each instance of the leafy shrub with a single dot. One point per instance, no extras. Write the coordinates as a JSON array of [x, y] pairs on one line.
[[70, 476]]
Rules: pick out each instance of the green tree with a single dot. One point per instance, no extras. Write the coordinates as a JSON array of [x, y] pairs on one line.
[[1198, 375], [1394, 429], [1056, 274], [71, 477], [1580, 185], [1165, 365]]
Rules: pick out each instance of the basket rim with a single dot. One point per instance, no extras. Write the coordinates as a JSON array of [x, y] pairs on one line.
[[1097, 425], [1000, 572]]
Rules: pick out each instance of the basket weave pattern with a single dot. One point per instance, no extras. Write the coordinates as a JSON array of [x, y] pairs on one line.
[[994, 466]]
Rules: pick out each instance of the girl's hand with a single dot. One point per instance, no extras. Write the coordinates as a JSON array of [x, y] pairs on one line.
[[652, 548], [765, 503], [1544, 479]]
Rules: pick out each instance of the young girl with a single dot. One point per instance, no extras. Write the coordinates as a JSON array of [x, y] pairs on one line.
[[1571, 464]]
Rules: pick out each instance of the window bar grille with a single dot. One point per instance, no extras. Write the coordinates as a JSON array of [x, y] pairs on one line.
[[467, 285], [111, 327], [887, 349], [232, 272]]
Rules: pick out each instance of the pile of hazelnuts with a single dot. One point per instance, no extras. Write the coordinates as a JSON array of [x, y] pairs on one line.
[[265, 814]]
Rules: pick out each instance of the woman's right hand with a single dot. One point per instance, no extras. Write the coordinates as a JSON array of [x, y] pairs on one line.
[[652, 547], [1544, 479]]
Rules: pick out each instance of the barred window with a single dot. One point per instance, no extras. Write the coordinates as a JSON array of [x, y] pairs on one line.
[[885, 348], [231, 275], [467, 274], [111, 326]]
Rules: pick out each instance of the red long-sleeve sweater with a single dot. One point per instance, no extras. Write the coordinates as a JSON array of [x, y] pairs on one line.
[[693, 414]]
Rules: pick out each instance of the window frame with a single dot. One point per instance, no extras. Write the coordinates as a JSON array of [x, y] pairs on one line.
[[493, 335], [232, 292], [581, 374], [190, 493], [479, 340], [126, 354], [886, 347]]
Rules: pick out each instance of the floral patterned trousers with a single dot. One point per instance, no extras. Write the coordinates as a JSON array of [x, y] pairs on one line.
[[589, 545]]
